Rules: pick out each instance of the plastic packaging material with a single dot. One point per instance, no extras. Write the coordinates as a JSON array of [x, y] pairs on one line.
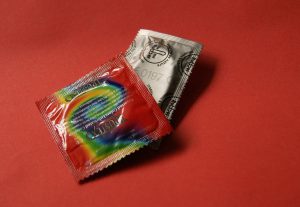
[[164, 62], [102, 117]]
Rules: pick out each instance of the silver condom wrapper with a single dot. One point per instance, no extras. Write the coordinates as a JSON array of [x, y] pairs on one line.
[[164, 63]]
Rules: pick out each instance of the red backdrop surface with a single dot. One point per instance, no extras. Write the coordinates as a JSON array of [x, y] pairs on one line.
[[237, 137]]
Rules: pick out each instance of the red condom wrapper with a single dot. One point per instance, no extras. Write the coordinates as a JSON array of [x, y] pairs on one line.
[[102, 117]]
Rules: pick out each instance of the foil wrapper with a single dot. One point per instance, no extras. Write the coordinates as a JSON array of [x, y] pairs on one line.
[[164, 63]]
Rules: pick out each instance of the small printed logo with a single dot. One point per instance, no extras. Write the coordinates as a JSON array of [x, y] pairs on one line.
[[186, 63], [156, 53], [168, 104]]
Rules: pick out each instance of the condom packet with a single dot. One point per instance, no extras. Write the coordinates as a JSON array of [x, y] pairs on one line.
[[104, 116], [164, 62]]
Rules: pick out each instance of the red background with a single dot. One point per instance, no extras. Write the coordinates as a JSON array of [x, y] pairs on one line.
[[237, 138]]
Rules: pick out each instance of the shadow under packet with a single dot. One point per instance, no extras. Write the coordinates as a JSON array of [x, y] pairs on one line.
[[102, 117], [164, 63]]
